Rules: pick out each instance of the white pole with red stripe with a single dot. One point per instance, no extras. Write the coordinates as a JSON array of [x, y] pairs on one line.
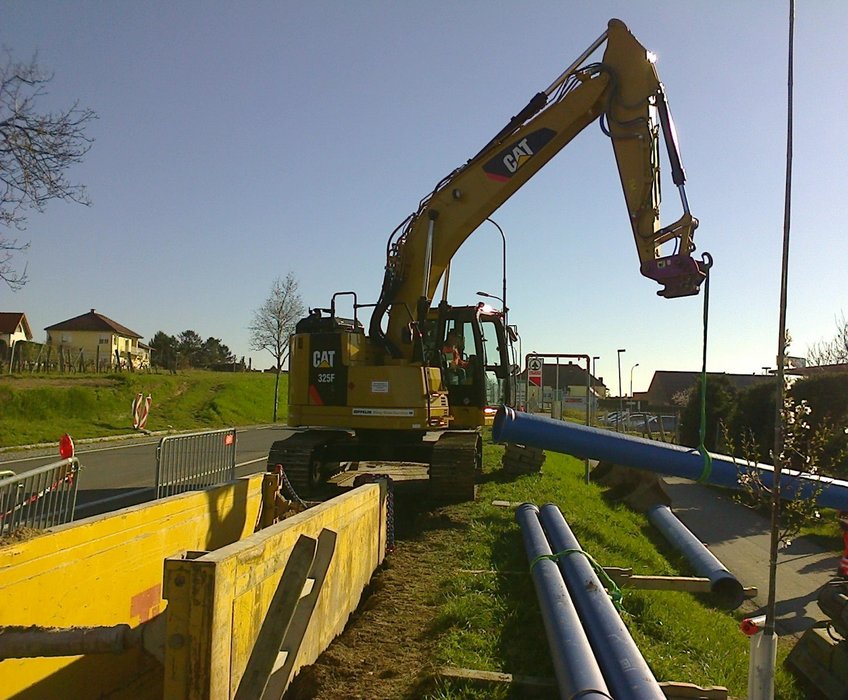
[[136, 408], [144, 411], [761, 659]]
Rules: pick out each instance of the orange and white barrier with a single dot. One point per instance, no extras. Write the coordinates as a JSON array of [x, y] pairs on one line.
[[140, 410]]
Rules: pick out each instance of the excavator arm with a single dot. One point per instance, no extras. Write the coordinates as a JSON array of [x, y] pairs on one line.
[[625, 93]]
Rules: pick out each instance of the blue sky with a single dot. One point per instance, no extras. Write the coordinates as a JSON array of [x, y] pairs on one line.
[[239, 141]]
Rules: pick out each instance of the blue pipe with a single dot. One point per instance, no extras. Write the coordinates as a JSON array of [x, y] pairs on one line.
[[627, 450], [625, 669], [575, 667], [723, 584]]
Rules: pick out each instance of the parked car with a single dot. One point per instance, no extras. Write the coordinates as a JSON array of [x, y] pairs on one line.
[[668, 423], [614, 417], [641, 422]]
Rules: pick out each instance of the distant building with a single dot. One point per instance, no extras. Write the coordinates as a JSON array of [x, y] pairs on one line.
[[14, 328], [813, 370], [96, 339], [567, 383], [666, 385]]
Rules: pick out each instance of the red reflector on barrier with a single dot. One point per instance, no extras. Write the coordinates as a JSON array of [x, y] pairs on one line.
[[66, 447], [752, 625], [229, 439]]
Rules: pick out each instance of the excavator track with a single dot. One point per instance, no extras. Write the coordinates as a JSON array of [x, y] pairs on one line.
[[297, 454], [454, 463]]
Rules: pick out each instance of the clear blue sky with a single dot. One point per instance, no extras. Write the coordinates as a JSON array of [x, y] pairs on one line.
[[238, 141]]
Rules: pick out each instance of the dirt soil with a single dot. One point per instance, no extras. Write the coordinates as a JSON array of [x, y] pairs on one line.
[[386, 650], [22, 534]]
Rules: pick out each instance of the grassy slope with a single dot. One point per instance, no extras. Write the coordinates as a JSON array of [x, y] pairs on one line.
[[42, 408], [490, 621]]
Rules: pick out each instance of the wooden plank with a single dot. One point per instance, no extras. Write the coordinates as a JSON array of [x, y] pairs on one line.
[[260, 664], [686, 691], [672, 690], [691, 584], [495, 677]]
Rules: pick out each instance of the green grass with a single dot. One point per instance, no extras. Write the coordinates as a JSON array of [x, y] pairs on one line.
[[490, 620], [41, 408]]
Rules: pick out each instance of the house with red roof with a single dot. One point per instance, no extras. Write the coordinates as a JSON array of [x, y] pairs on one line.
[[95, 339], [14, 328]]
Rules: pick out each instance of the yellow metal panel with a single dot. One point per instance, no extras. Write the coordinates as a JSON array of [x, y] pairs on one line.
[[107, 570], [246, 575]]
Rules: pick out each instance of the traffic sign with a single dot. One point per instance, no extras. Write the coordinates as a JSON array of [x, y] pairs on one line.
[[534, 370]]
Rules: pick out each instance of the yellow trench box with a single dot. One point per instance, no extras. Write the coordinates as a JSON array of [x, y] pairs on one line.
[[193, 604]]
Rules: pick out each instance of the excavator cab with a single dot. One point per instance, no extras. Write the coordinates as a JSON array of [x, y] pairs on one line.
[[472, 347]]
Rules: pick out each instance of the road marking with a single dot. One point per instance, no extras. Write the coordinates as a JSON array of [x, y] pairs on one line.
[[80, 452], [252, 461]]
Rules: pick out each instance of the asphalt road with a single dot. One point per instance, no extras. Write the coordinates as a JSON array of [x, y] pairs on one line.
[[118, 473], [740, 539]]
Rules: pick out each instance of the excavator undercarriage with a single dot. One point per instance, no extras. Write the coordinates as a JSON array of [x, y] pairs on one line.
[[309, 457]]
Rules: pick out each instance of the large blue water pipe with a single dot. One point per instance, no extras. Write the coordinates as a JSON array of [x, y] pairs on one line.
[[576, 669], [627, 673], [673, 460], [724, 585]]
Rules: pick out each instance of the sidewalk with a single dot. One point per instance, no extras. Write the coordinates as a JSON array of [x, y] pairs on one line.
[[740, 538]]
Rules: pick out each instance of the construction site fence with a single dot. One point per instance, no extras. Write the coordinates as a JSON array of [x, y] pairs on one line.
[[40, 498], [195, 461]]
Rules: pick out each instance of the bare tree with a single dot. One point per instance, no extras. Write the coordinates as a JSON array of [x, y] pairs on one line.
[[35, 151], [274, 322], [831, 352]]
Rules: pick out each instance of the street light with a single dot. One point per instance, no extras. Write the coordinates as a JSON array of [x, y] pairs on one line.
[[620, 399], [503, 237], [492, 296], [594, 381], [631, 379]]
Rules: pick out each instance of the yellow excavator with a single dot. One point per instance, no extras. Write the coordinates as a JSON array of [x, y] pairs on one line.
[[420, 381]]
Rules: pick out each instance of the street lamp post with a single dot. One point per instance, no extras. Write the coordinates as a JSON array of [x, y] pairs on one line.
[[631, 381], [620, 398], [594, 383], [503, 238]]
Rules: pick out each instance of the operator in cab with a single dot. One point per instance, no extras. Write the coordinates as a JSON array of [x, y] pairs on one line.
[[452, 352]]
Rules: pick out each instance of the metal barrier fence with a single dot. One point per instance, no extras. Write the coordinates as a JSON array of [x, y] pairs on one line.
[[40, 498], [194, 461]]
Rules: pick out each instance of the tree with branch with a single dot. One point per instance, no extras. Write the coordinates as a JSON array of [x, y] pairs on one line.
[[36, 149], [274, 322], [831, 352]]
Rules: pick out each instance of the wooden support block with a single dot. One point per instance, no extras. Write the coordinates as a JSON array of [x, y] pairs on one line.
[[823, 661]]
